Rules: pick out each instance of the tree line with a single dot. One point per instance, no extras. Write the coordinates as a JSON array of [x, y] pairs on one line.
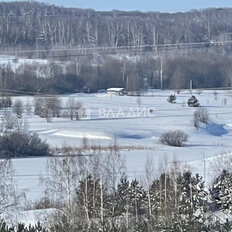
[[94, 193], [206, 71], [39, 25], [96, 198], [140, 64]]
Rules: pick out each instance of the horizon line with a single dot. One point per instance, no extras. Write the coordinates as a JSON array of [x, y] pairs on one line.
[[120, 10]]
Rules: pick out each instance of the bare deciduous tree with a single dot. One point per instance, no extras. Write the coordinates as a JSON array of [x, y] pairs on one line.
[[47, 107], [65, 174], [18, 108], [28, 108], [201, 115], [139, 101], [75, 108], [9, 121], [12, 123], [38, 106], [10, 200], [94, 173], [54, 104]]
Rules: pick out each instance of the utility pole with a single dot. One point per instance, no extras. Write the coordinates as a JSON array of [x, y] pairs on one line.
[[123, 73], [1, 78], [127, 83], [191, 85], [161, 72], [37, 48]]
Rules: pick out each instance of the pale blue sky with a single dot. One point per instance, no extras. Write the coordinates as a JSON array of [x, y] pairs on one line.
[[142, 5]]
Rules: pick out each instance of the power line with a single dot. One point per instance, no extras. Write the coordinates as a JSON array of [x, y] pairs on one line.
[[130, 50], [25, 92], [82, 49], [14, 91]]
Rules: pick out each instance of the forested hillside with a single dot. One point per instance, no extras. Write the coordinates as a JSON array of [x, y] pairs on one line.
[[122, 49], [25, 24]]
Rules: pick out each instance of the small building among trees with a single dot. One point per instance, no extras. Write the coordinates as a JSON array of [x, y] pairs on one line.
[[116, 91]]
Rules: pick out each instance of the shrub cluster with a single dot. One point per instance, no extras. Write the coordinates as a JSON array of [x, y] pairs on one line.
[[22, 144], [174, 138]]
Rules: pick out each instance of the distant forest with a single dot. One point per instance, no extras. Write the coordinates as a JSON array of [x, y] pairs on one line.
[[27, 24], [116, 48]]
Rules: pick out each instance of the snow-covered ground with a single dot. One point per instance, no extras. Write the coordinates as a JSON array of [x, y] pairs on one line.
[[114, 117], [15, 63]]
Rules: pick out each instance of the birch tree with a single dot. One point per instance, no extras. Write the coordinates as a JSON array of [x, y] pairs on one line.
[[63, 180]]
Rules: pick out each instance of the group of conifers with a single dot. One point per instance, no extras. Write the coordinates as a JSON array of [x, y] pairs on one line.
[[192, 101]]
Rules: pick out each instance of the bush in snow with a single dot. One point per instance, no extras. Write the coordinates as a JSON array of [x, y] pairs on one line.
[[5, 102], [9, 121], [201, 115], [22, 144], [174, 138]]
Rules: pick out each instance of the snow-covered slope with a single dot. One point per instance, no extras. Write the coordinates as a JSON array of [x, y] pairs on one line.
[[204, 144], [40, 66]]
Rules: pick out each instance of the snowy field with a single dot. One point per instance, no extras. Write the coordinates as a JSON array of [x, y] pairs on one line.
[[109, 120], [16, 64]]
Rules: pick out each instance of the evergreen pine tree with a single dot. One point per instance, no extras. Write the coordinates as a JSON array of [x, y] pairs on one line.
[[137, 199], [221, 191], [122, 197]]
